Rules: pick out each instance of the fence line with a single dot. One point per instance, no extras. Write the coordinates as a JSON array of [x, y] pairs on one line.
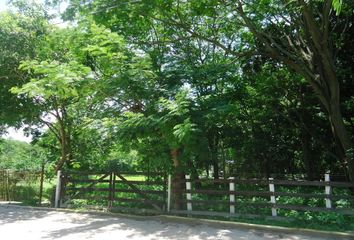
[[231, 188], [22, 186], [220, 197]]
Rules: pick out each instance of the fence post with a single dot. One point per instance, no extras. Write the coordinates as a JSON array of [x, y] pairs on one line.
[[272, 197], [189, 195], [8, 186], [41, 185], [113, 188], [232, 195], [169, 184], [110, 190], [328, 191], [58, 190]]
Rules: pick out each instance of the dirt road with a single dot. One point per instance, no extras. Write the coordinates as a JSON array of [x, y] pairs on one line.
[[30, 224]]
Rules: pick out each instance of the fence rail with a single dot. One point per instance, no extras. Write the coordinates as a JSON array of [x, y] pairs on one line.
[[264, 194], [267, 182], [115, 189], [209, 197]]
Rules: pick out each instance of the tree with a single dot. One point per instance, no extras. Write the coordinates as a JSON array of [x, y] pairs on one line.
[[89, 75], [54, 88], [297, 34], [20, 34], [303, 43]]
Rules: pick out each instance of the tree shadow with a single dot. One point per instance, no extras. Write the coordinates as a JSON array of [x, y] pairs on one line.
[[10, 214], [96, 226], [134, 229]]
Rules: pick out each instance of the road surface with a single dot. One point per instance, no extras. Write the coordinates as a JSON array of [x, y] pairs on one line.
[[31, 224]]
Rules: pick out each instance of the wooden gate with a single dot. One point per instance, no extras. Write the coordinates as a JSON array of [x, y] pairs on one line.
[[127, 191]]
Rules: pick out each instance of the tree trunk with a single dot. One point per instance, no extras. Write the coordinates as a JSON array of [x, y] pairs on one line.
[[63, 154], [194, 172], [342, 139], [63, 134], [178, 175], [325, 80], [213, 148], [266, 165], [216, 169], [307, 156], [223, 160], [65, 150]]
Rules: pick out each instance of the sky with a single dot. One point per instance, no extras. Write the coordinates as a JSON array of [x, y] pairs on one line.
[[3, 5], [56, 21], [17, 135]]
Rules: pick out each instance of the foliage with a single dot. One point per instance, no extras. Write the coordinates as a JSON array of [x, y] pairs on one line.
[[197, 86], [20, 35], [204, 87], [17, 155]]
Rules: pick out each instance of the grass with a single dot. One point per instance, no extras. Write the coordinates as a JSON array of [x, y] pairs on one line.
[[135, 177]]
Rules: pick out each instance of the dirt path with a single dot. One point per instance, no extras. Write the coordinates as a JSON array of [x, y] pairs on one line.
[[29, 224]]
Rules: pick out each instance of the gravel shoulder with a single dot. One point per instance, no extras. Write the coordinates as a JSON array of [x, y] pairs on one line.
[[32, 224]]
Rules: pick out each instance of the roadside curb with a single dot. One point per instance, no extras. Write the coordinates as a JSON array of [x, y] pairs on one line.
[[195, 221]]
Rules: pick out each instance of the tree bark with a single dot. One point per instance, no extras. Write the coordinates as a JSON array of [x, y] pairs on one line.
[[213, 149], [63, 134], [178, 175], [342, 139], [307, 157], [65, 149], [64, 152]]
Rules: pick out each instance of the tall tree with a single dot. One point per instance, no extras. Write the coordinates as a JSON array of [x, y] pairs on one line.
[[302, 35], [54, 88], [20, 35]]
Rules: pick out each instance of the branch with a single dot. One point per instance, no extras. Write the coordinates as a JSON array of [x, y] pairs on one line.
[[213, 41], [51, 128], [325, 22]]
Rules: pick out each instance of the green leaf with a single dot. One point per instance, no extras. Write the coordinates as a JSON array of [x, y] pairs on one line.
[[337, 5]]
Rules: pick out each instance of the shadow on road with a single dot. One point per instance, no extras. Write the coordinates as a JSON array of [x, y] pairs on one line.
[[57, 225]]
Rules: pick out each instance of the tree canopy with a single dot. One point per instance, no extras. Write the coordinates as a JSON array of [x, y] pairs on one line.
[[202, 86]]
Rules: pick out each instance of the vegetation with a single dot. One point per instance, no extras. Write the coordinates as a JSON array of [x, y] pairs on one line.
[[20, 173], [17, 155], [202, 87]]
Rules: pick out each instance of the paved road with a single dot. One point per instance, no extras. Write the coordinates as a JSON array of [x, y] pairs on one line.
[[29, 224]]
